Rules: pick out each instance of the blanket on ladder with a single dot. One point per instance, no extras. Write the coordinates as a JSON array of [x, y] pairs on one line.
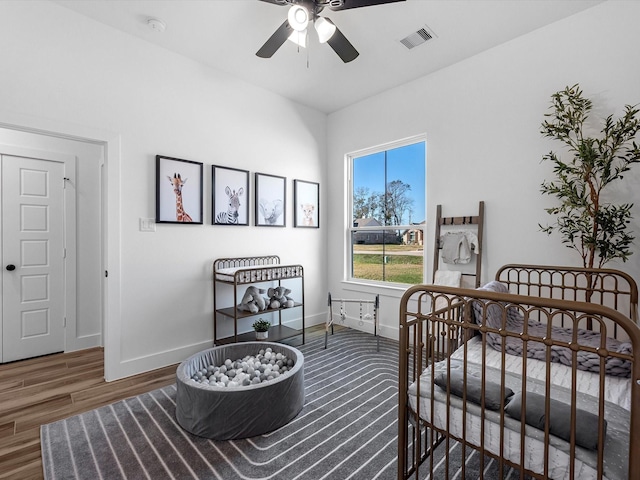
[[514, 322]]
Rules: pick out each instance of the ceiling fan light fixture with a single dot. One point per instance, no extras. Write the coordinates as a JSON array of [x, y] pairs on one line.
[[299, 38], [325, 29], [298, 17]]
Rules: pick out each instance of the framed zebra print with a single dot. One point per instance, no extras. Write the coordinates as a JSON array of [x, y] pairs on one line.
[[230, 196]]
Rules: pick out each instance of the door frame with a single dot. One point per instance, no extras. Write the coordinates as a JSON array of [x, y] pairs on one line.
[[69, 225], [110, 201]]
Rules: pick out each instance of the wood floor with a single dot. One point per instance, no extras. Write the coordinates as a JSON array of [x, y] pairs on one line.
[[42, 390]]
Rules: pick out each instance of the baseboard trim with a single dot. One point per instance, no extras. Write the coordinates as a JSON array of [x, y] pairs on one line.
[[145, 363]]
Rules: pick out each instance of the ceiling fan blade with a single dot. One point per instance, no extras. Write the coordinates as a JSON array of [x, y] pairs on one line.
[[342, 46], [275, 41], [275, 2], [359, 3]]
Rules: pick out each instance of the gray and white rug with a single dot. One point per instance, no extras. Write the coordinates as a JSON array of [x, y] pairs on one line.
[[346, 430]]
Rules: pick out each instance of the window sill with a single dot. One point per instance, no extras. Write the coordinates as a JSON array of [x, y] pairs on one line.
[[387, 289]]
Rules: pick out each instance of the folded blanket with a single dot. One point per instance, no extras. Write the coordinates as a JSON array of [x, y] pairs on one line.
[[448, 278], [559, 419], [514, 322]]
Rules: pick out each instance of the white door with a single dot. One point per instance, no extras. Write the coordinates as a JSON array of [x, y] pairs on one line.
[[33, 257]]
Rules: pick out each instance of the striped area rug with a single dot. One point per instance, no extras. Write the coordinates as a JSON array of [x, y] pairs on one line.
[[346, 430]]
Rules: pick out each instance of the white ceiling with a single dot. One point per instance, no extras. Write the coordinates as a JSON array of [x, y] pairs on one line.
[[225, 34]]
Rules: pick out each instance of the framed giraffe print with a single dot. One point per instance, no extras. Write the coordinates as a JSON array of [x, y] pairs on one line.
[[306, 210], [178, 190], [230, 196]]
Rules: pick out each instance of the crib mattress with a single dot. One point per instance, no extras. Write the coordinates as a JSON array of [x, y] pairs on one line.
[[450, 419]]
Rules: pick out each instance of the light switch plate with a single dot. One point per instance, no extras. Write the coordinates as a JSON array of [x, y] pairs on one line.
[[147, 225]]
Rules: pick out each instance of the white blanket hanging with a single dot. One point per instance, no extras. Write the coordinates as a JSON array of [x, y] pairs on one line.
[[448, 278]]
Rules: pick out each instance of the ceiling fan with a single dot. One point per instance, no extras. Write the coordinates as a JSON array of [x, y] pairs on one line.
[[301, 12]]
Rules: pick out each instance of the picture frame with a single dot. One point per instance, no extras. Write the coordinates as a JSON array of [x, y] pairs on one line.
[[178, 191], [306, 209], [270, 200], [229, 196]]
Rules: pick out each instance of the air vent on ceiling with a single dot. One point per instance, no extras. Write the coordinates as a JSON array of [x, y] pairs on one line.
[[417, 38]]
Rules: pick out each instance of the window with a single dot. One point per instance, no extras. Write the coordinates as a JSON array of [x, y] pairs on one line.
[[388, 204]]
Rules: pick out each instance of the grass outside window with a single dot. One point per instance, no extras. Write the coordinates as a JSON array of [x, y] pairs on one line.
[[388, 263]]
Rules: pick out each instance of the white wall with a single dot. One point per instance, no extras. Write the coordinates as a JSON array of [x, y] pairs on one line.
[[482, 120], [73, 75], [65, 73]]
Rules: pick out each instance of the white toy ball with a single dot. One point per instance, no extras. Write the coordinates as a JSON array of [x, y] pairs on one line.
[[267, 365]]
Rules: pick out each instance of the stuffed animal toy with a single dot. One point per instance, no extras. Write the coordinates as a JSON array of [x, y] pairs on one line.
[[253, 301], [278, 298]]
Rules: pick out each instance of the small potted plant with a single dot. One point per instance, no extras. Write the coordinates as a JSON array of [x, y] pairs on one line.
[[262, 329]]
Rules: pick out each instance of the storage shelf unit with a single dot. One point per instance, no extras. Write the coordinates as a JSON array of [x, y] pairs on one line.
[[245, 271]]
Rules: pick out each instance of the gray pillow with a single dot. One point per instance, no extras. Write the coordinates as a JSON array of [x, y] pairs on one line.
[[559, 419], [493, 399]]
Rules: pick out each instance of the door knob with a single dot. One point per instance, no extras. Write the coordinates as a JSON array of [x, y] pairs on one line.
[[11, 268]]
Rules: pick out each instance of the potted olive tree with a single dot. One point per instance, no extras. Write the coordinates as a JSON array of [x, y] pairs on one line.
[[585, 220], [262, 329], [587, 223]]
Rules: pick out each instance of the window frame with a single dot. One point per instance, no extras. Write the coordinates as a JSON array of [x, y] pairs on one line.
[[350, 228]]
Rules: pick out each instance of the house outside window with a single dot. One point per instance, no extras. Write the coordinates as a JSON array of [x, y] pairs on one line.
[[414, 236], [387, 186]]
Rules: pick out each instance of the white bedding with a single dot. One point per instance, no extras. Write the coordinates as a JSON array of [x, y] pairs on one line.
[[259, 273], [226, 274], [617, 391]]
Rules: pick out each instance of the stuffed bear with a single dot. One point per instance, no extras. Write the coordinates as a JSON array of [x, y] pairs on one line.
[[253, 301], [278, 297]]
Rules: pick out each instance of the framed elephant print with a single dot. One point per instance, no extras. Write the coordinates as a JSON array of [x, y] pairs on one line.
[[270, 200]]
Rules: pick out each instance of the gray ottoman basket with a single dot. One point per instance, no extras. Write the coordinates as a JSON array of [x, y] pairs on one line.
[[222, 413]]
